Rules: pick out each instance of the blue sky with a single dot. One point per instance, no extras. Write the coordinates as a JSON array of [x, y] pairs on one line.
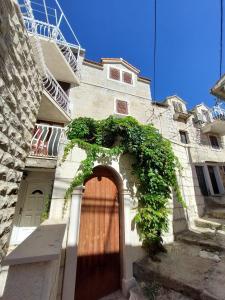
[[187, 40]]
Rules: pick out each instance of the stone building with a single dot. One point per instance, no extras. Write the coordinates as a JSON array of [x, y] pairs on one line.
[[47, 255], [20, 96]]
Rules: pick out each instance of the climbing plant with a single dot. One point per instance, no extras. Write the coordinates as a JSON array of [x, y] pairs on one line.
[[154, 165]]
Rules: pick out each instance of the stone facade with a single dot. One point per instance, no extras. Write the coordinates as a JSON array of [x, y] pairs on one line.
[[20, 96]]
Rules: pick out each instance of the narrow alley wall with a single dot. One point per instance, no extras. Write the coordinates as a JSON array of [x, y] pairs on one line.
[[20, 96]]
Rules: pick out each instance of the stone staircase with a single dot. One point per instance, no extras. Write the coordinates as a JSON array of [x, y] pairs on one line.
[[194, 265]]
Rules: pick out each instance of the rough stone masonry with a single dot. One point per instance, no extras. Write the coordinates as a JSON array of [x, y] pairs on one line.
[[20, 96]]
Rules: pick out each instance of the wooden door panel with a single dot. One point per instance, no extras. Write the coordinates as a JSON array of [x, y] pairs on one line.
[[98, 265]]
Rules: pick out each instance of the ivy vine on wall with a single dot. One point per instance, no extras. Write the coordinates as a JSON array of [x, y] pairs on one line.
[[154, 165]]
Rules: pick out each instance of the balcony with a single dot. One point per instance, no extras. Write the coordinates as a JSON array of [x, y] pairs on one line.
[[181, 116], [48, 24], [46, 140], [55, 103], [217, 124]]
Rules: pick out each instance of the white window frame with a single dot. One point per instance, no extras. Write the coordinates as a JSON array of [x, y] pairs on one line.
[[121, 76], [128, 107]]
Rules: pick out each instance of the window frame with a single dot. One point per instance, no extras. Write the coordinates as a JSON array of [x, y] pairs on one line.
[[185, 135], [178, 104], [218, 142], [205, 116], [121, 76], [109, 75], [115, 107]]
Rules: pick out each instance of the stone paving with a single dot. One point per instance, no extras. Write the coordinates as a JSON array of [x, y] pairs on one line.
[[115, 296], [185, 270]]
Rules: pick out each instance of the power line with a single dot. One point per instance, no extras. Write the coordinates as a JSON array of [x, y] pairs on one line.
[[155, 48], [221, 36]]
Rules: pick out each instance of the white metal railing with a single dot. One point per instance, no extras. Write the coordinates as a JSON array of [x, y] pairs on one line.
[[55, 91], [218, 113], [46, 140], [43, 20]]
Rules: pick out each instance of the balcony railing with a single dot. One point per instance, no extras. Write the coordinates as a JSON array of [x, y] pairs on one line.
[[218, 113], [55, 91], [42, 20], [46, 140]]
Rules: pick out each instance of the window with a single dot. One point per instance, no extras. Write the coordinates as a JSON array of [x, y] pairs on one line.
[[121, 107], [114, 74], [205, 116], [127, 78], [120, 75], [214, 142], [184, 137], [177, 107]]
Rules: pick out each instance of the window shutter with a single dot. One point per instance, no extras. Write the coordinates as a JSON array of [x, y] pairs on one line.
[[114, 74], [127, 78], [122, 107]]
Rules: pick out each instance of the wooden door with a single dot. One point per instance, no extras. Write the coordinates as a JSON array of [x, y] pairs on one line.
[[98, 262]]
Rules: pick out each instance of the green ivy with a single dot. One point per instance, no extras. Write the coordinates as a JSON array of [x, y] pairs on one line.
[[154, 165], [46, 208]]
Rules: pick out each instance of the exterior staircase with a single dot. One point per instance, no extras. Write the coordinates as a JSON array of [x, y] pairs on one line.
[[194, 265]]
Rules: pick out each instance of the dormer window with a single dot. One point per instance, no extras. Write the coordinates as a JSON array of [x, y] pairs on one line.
[[114, 74], [177, 107], [121, 107], [127, 77], [121, 75]]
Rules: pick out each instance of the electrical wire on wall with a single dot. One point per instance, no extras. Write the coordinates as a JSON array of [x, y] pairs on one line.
[[218, 101]]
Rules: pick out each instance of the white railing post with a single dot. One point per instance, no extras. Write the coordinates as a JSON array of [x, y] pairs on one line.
[[53, 88], [49, 30], [46, 140]]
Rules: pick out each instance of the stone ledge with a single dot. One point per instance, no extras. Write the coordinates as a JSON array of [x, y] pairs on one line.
[[44, 244]]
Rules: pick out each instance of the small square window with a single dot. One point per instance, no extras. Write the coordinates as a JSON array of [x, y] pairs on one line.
[[214, 142], [127, 78], [177, 107], [121, 107], [184, 137], [114, 74]]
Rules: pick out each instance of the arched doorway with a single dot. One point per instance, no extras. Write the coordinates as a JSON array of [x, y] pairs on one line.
[[98, 260]]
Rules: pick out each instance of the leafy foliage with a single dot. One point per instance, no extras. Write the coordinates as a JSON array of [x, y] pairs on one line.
[[46, 208], [155, 165]]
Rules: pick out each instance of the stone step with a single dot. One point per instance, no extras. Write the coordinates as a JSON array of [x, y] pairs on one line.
[[216, 213], [187, 270], [206, 240], [211, 223]]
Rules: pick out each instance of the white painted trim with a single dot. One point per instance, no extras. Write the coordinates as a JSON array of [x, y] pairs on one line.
[[219, 179], [72, 244], [207, 178], [121, 76]]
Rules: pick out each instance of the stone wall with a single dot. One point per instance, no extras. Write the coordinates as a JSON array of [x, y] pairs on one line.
[[20, 96]]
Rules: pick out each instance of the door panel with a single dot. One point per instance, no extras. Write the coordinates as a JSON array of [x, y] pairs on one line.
[[213, 180], [31, 211], [98, 263], [201, 180]]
